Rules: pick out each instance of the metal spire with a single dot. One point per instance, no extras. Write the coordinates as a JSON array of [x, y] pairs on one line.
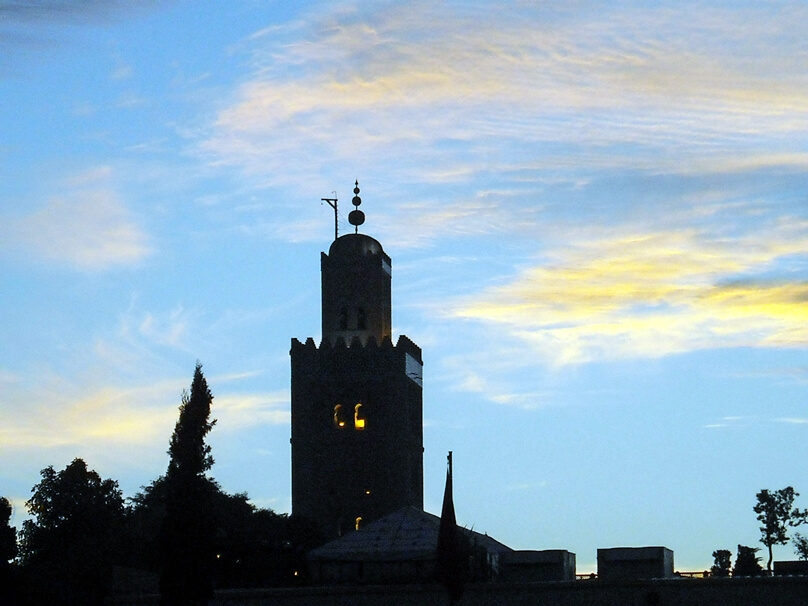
[[356, 217]]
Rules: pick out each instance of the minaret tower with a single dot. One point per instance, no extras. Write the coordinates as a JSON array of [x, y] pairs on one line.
[[357, 437]]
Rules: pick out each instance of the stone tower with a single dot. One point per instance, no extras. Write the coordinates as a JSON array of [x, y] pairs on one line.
[[357, 438]]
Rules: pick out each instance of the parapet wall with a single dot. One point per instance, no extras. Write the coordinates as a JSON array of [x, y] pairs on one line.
[[404, 344], [668, 592]]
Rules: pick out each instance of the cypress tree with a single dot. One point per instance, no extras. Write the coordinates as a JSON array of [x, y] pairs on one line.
[[188, 530]]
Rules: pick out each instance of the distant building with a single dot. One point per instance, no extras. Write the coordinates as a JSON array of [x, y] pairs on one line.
[[790, 568], [356, 399], [632, 563], [537, 566], [398, 548]]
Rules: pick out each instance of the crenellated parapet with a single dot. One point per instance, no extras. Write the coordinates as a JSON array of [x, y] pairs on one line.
[[404, 343], [369, 358]]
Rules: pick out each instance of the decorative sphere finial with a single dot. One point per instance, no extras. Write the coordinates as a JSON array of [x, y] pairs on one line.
[[356, 217]]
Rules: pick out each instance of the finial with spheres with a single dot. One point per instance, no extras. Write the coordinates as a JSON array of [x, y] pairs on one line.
[[356, 217]]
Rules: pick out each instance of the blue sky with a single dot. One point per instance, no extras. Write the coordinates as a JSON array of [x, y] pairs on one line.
[[597, 216]]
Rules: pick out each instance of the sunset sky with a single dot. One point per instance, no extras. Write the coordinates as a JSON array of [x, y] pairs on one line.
[[597, 214]]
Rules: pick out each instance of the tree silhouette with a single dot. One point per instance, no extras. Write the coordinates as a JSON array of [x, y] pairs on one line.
[[188, 530], [801, 546], [776, 513], [144, 522], [722, 565], [67, 549], [254, 547], [747, 563], [251, 544], [8, 551], [8, 534]]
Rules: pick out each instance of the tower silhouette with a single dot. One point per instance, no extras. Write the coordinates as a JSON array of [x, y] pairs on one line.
[[357, 435]]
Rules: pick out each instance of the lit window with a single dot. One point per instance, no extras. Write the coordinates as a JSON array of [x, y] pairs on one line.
[[358, 417], [358, 522], [339, 416]]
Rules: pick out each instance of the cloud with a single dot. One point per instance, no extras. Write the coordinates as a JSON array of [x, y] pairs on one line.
[[59, 414], [238, 411], [493, 116], [167, 329], [97, 417], [733, 421], [87, 227], [461, 83], [651, 295], [27, 25], [113, 426], [37, 11], [414, 224]]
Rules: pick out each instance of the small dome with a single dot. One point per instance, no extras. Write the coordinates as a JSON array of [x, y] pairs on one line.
[[351, 245]]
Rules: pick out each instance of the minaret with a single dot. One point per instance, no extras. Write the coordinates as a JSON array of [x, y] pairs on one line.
[[357, 437], [356, 276]]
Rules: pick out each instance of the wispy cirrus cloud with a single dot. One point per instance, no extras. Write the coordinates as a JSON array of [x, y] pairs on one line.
[[27, 25], [456, 83], [87, 226], [36, 11], [238, 411], [793, 420]]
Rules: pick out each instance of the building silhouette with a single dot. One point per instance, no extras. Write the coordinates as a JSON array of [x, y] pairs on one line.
[[356, 399], [357, 465]]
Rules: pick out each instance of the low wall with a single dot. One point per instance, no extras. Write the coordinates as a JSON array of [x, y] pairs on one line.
[[665, 592]]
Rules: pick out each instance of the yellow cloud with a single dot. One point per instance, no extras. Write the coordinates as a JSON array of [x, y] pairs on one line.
[[649, 295], [104, 416], [112, 418]]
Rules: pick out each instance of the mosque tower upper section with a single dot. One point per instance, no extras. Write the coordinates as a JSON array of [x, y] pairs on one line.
[[356, 400]]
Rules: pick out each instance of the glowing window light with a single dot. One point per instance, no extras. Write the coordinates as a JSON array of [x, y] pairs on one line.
[[358, 522], [359, 421], [339, 417]]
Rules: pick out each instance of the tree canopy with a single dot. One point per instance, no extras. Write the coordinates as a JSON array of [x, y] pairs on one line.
[[801, 546], [722, 563], [188, 530], [182, 528], [72, 539], [190, 456], [8, 534], [8, 551], [747, 563], [776, 513]]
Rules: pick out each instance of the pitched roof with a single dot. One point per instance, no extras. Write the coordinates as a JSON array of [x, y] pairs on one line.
[[406, 534]]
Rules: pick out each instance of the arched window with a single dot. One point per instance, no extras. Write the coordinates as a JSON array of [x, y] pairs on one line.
[[339, 416], [343, 319], [358, 522], [361, 319], [358, 417]]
